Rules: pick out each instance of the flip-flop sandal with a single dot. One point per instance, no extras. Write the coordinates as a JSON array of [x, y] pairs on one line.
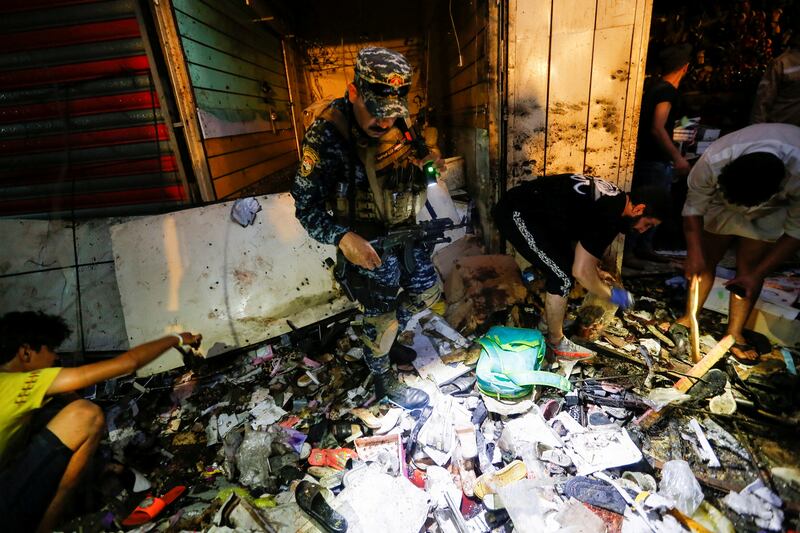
[[488, 483], [152, 507], [712, 384], [309, 498], [745, 353], [595, 492], [337, 457], [758, 341]]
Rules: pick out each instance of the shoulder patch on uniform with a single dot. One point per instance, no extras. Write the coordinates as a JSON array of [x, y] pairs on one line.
[[309, 161]]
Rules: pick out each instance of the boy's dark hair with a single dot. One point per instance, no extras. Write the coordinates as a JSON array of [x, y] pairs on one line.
[[34, 328], [657, 202], [674, 57], [751, 179]]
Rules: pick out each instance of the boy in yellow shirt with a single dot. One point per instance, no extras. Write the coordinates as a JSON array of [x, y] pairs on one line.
[[46, 445]]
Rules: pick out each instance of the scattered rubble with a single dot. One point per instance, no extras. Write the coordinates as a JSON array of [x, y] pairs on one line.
[[289, 437]]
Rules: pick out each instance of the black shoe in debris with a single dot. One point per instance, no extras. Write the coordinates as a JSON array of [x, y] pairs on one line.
[[712, 384], [310, 499], [400, 354], [387, 385]]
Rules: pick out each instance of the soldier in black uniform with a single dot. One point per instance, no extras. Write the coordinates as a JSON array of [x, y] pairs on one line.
[[357, 179]]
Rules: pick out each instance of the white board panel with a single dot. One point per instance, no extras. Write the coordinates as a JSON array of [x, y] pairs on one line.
[[198, 270]]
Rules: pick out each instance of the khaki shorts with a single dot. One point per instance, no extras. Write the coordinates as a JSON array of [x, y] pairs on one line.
[[722, 221]]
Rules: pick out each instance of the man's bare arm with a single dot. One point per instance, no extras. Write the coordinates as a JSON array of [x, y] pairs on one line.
[[584, 268], [659, 132]]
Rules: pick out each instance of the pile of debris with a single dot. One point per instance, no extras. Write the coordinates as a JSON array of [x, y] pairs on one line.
[[289, 437]]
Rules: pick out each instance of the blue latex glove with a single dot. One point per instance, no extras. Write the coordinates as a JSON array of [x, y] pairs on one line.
[[621, 297]]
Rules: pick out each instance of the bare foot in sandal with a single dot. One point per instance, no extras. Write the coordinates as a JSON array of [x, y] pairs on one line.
[[744, 353]]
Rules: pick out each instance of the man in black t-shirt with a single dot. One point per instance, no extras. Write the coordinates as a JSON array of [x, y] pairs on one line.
[[544, 218], [658, 160]]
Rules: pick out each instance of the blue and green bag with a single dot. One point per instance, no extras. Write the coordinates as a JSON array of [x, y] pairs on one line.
[[509, 364]]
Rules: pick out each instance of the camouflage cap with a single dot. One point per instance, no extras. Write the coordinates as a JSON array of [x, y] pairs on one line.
[[383, 78]]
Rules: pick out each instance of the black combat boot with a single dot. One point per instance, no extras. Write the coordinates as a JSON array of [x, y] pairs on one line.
[[387, 385]]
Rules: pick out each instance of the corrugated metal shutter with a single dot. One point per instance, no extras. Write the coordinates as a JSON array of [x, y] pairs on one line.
[[80, 124]]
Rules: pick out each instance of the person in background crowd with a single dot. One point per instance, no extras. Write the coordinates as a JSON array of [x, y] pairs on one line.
[[658, 160], [778, 94]]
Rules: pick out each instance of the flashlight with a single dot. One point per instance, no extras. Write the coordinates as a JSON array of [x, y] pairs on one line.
[[431, 173], [421, 151]]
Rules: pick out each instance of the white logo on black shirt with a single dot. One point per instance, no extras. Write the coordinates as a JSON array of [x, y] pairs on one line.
[[601, 186]]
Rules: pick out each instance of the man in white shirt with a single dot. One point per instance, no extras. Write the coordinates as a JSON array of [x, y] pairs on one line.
[[744, 190]]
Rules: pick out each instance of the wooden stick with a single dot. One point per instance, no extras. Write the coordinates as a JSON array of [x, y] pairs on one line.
[[713, 356], [694, 299]]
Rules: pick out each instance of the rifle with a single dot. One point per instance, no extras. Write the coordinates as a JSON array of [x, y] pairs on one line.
[[428, 233]]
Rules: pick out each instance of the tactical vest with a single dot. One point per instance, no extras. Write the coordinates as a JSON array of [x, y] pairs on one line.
[[395, 191]]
